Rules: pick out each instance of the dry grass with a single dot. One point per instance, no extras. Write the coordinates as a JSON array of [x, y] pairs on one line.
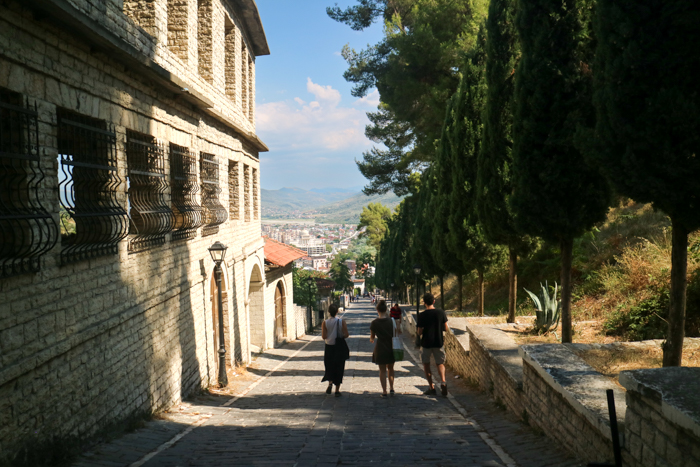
[[585, 332], [610, 361]]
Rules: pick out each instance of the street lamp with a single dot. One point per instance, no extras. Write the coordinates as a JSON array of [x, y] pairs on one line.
[[218, 253], [391, 293], [416, 271], [309, 282]]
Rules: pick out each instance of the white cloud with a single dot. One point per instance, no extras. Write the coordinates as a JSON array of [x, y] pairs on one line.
[[371, 99], [323, 125]]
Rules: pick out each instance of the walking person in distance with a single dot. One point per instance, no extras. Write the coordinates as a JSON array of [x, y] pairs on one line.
[[334, 331], [381, 330], [430, 326]]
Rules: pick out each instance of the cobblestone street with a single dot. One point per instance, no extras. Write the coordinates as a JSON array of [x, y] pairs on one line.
[[285, 418]]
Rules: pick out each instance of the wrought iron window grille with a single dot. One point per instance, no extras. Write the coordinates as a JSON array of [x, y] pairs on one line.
[[246, 193], [150, 213], [184, 187], [234, 186], [92, 220], [27, 230], [214, 212]]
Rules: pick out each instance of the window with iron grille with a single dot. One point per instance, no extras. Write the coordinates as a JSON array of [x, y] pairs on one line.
[[214, 212], [92, 220], [27, 230], [150, 214], [246, 192], [255, 194], [234, 188], [184, 189]]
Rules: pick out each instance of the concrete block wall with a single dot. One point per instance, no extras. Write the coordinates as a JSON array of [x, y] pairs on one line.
[[90, 344]]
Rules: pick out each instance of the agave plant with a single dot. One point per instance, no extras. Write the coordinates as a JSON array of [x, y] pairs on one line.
[[547, 309]]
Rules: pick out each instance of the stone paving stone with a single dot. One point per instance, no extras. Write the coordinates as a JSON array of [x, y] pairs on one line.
[[288, 420]]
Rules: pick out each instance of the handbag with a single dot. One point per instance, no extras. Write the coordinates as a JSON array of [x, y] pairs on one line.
[[340, 341], [396, 345]]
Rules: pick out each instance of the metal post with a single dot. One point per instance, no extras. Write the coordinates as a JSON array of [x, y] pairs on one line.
[[308, 311], [223, 378], [417, 298]]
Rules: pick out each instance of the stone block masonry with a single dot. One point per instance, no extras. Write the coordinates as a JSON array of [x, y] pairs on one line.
[[89, 344]]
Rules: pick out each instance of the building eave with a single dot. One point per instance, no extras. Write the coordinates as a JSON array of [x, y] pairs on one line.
[[248, 13]]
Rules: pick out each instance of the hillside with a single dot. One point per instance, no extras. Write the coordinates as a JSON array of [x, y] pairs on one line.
[[327, 205]]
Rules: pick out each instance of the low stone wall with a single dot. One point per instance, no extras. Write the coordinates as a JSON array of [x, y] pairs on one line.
[[663, 417]]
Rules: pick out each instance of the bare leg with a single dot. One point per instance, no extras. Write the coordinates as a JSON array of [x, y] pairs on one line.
[[441, 370], [428, 374], [382, 377], [337, 388], [391, 376]]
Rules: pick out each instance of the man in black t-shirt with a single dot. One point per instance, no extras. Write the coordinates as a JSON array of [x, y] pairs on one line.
[[430, 326]]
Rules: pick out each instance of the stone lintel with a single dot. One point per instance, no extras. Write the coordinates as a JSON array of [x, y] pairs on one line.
[[581, 385], [675, 389]]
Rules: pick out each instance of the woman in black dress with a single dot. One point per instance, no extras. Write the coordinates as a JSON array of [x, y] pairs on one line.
[[382, 329], [334, 355]]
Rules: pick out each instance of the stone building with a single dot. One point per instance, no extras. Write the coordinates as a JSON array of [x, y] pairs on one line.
[[127, 148]]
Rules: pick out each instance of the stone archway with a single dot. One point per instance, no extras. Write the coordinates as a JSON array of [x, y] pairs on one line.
[[280, 313], [256, 309]]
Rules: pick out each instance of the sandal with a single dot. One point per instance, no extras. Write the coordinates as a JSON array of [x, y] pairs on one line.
[[329, 388], [337, 394]]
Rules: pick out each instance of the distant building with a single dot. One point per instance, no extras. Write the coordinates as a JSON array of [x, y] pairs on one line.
[[318, 262]]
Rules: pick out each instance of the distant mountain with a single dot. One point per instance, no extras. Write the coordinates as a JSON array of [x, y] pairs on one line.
[[326, 205]]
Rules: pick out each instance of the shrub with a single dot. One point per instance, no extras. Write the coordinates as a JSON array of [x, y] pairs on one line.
[[645, 320]]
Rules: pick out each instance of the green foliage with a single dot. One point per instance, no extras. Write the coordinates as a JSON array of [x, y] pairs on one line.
[[556, 194], [340, 274], [643, 321], [413, 68], [374, 217], [303, 294], [647, 122], [546, 308]]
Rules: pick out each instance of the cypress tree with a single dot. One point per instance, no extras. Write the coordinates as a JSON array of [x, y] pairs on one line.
[[557, 195], [466, 238], [648, 114], [494, 178]]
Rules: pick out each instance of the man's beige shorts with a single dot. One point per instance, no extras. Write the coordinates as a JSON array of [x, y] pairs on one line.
[[438, 353]]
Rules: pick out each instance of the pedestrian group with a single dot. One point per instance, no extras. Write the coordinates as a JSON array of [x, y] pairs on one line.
[[431, 325]]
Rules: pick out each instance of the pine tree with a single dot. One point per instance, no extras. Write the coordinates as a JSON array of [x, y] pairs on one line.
[[466, 238], [556, 194], [494, 179], [648, 115]]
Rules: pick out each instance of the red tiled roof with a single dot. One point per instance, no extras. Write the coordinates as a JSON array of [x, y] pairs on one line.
[[281, 254]]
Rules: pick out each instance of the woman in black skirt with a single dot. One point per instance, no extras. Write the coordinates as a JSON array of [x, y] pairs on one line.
[[334, 355], [382, 329]]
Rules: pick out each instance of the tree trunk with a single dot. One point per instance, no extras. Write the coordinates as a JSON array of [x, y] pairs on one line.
[[481, 292], [673, 347], [459, 290], [567, 250], [442, 294], [512, 286]]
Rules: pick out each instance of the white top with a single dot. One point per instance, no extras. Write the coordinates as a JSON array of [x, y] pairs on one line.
[[332, 327]]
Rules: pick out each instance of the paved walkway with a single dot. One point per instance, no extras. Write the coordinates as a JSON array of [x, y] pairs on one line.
[[285, 418]]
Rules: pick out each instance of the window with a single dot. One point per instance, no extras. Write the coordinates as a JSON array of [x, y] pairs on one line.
[[230, 59], [27, 231], [183, 180], [204, 42], [255, 194], [246, 192], [214, 212], [177, 28], [234, 189], [92, 220], [151, 217], [244, 78]]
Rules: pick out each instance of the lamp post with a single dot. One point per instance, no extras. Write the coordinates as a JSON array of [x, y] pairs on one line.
[[391, 294], [309, 281], [218, 253], [416, 271]]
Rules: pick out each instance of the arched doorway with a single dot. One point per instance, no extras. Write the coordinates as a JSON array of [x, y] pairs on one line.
[[280, 315], [256, 310]]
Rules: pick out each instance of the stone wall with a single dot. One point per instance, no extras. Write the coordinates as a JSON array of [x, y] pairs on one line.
[[90, 344], [663, 417]]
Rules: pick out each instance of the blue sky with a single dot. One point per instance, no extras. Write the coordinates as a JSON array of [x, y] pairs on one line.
[[304, 110]]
